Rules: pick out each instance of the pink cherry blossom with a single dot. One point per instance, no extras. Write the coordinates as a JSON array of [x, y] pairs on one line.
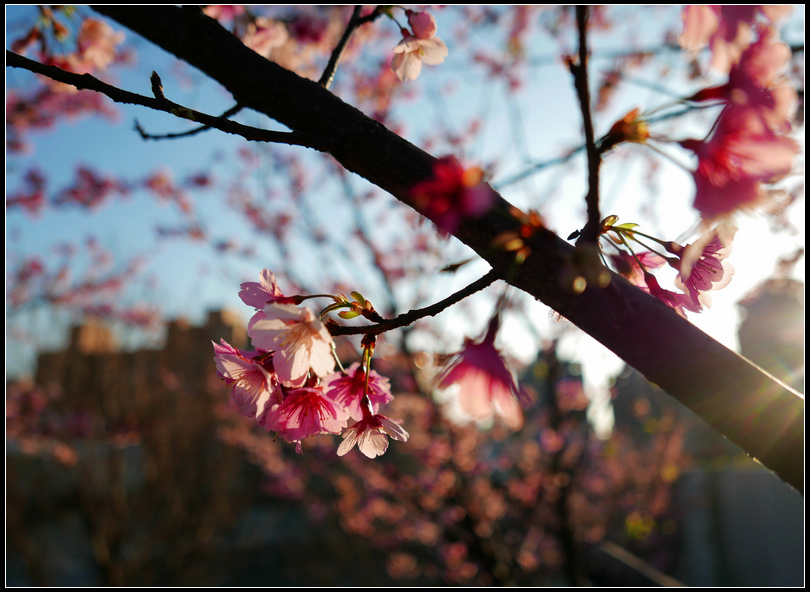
[[486, 385], [223, 12], [453, 194], [264, 35], [96, 44], [726, 29], [347, 390], [371, 435], [412, 51], [704, 266], [252, 385], [677, 300], [305, 412], [423, 25], [743, 152], [299, 338], [257, 294], [758, 80]]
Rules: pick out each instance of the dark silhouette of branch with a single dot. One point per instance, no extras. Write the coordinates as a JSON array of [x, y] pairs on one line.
[[354, 22], [193, 132], [88, 82], [412, 316], [579, 69]]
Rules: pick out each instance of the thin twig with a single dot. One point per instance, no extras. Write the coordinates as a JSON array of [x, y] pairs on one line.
[[88, 82], [411, 316], [354, 23], [171, 136], [580, 71]]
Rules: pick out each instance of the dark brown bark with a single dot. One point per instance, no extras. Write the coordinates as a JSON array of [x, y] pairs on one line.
[[750, 407]]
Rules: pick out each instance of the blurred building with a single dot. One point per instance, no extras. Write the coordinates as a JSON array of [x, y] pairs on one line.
[[118, 476]]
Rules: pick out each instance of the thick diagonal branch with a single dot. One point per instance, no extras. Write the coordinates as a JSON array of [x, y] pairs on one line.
[[741, 401]]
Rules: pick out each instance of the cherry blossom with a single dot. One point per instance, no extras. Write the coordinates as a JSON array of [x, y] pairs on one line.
[[347, 390], [97, 42], [257, 294], [742, 153], [299, 338], [223, 12], [252, 385], [32, 197], [371, 435], [423, 25], [678, 301], [726, 29], [704, 266], [486, 385], [264, 35], [453, 194], [305, 412], [412, 51], [757, 80]]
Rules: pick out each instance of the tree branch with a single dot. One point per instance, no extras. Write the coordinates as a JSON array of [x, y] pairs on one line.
[[750, 407], [412, 316], [580, 71], [354, 22], [88, 82], [193, 132]]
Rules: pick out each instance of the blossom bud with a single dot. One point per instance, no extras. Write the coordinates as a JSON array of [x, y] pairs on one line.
[[628, 129]]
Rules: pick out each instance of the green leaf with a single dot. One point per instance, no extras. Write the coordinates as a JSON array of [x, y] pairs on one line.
[[348, 314], [359, 297]]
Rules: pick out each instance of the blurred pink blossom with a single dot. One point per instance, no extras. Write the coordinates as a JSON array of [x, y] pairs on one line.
[[264, 35], [223, 12], [726, 29], [453, 194], [742, 153], [757, 80], [486, 385], [422, 23], [96, 43]]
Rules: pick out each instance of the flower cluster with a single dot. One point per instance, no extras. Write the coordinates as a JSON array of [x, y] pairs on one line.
[[289, 384], [749, 145], [702, 265], [419, 44]]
